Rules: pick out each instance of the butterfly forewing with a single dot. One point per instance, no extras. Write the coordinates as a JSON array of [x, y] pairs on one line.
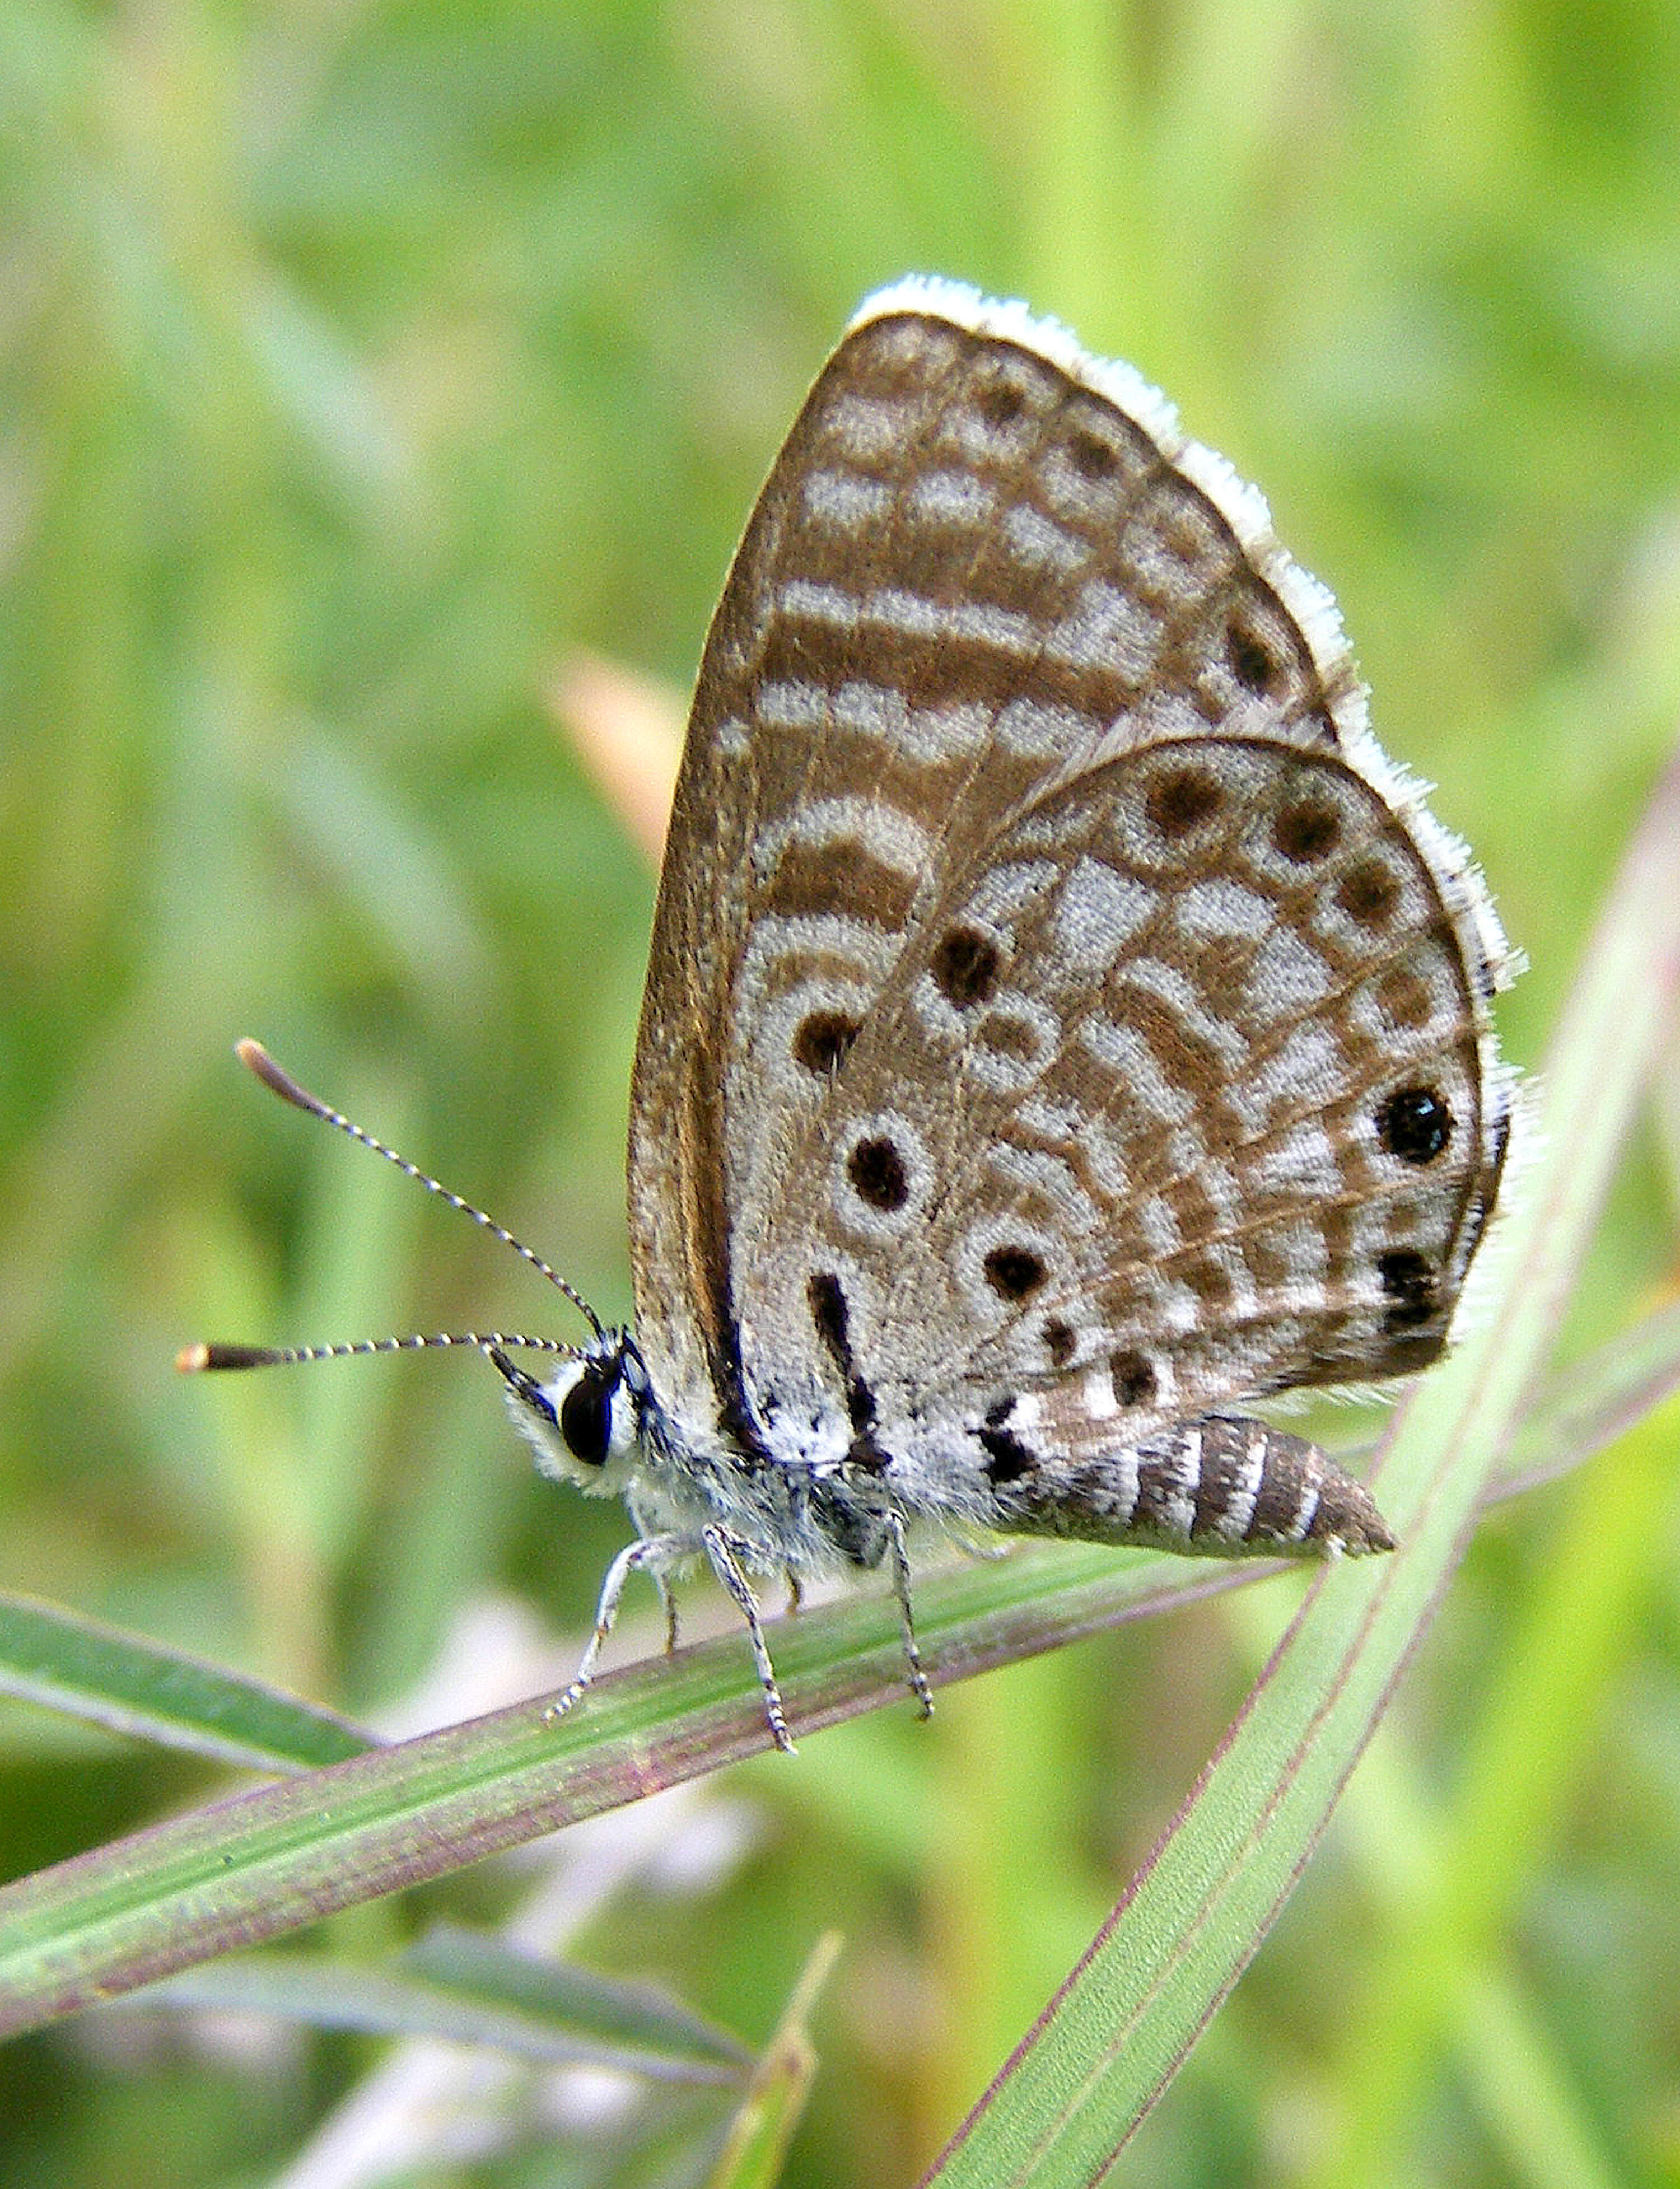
[[1053, 991]]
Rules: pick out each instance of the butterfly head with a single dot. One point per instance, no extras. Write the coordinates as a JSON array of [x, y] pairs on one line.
[[586, 1421]]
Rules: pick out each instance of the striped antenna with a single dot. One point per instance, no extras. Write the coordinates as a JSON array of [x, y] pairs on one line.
[[193, 1359], [197, 1359]]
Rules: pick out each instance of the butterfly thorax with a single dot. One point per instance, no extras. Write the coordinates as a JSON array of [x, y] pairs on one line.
[[791, 1498]]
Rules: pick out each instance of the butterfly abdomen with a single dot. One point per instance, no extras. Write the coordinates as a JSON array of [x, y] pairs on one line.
[[1220, 1487]]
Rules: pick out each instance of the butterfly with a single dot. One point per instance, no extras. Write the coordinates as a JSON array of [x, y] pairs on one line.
[[1064, 1027]]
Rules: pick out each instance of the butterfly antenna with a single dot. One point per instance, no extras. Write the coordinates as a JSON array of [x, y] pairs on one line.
[[193, 1359], [197, 1359], [254, 1058]]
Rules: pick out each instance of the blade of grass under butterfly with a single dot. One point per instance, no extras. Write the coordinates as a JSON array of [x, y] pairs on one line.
[[251, 1868], [1194, 1916], [102, 1676], [68, 1662]]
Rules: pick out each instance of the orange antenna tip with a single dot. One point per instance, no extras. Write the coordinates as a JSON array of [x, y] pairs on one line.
[[256, 1059], [196, 1359]]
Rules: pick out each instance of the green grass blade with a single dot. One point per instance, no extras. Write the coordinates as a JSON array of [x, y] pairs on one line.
[[1597, 1398], [253, 1868], [131, 1685], [467, 1989], [1562, 1666], [756, 2146]]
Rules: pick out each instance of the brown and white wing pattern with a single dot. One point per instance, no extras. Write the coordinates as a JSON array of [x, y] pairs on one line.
[[1064, 1025]]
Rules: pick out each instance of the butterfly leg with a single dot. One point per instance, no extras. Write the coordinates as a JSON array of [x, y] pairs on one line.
[[667, 1599], [654, 1552], [900, 1589], [725, 1551], [795, 1590]]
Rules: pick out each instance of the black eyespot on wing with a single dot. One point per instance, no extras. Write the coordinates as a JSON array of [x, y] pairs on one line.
[[1410, 1285], [1007, 1458], [965, 967], [832, 1318], [587, 1413], [1059, 1342], [822, 1040], [1013, 1272], [1415, 1124], [878, 1174], [829, 1314], [1133, 1379]]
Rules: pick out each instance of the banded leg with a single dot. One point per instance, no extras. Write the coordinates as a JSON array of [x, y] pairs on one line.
[[667, 1599], [725, 1551], [654, 1552], [900, 1589]]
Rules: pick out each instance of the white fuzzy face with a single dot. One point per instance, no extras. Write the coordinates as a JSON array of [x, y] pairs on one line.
[[583, 1422]]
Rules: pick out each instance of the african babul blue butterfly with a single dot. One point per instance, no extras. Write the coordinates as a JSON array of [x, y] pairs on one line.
[[1064, 1027]]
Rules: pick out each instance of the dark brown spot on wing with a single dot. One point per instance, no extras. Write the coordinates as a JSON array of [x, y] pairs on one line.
[[965, 967], [822, 1041], [878, 1174]]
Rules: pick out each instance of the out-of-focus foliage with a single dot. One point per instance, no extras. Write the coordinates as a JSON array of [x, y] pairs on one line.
[[358, 364]]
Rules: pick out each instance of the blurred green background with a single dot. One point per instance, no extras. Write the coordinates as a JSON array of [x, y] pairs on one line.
[[357, 363]]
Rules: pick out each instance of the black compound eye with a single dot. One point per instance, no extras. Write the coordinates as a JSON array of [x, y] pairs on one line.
[[587, 1413]]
